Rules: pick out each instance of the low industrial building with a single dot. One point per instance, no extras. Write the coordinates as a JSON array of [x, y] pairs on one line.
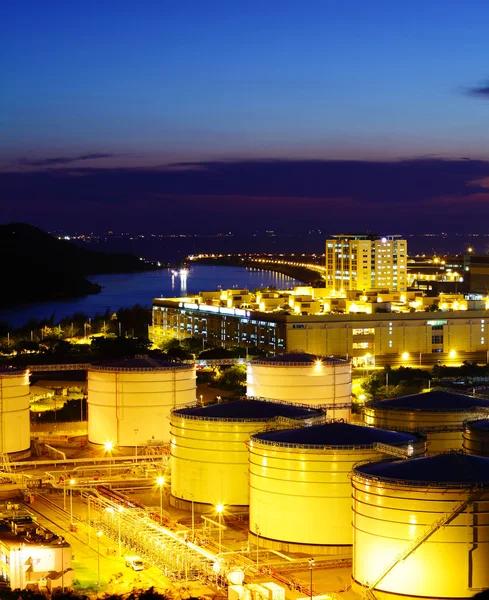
[[31, 556], [453, 333]]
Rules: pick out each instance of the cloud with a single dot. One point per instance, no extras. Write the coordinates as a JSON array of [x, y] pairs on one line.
[[54, 161], [480, 91], [245, 195]]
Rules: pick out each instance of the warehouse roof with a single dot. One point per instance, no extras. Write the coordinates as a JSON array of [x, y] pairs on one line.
[[336, 434], [297, 357], [452, 468], [138, 363], [481, 424], [432, 401], [249, 410]]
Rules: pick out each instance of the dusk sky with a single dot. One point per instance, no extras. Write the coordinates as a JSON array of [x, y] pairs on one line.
[[364, 115]]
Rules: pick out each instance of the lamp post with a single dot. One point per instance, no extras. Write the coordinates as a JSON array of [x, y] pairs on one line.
[[311, 566], [161, 482], [193, 518], [99, 534], [257, 543], [220, 510], [72, 483]]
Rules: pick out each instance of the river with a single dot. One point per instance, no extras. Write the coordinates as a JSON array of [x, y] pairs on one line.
[[127, 289]]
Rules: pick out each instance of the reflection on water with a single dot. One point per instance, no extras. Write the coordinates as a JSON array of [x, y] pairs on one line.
[[128, 289]]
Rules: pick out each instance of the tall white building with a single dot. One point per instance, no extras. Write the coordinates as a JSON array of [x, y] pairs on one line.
[[366, 262]]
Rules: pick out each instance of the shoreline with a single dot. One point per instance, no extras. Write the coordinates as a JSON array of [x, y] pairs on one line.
[[301, 274]]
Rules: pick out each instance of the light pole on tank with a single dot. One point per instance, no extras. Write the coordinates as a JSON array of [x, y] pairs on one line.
[[136, 438], [220, 510], [311, 567], [109, 446]]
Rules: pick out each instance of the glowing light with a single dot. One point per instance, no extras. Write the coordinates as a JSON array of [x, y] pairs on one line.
[[405, 356], [452, 354], [160, 481], [219, 508], [362, 397], [72, 482], [319, 364], [108, 446]]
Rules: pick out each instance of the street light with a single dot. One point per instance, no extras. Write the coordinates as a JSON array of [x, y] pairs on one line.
[[72, 483], [161, 482], [193, 519], [99, 533], [311, 566], [220, 510]]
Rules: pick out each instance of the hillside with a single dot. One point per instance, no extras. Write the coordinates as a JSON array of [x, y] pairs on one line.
[[37, 266]]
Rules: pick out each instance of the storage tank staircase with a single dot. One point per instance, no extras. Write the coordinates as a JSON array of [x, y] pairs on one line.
[[435, 526]]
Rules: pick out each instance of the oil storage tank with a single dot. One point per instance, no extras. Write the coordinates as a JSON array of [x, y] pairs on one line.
[[421, 527], [303, 378], [130, 400], [300, 489], [439, 415], [476, 437], [15, 437], [209, 454]]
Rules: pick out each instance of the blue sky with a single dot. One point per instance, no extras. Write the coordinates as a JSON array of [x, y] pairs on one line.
[[371, 114], [160, 80]]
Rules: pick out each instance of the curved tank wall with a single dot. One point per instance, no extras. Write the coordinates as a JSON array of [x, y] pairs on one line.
[[14, 412], [476, 437], [429, 513], [438, 415], [303, 378], [209, 455], [300, 489], [129, 401]]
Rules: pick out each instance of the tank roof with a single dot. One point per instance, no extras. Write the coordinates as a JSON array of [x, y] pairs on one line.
[[11, 370], [336, 434], [138, 363], [248, 410], [451, 468], [437, 401], [480, 425], [297, 358]]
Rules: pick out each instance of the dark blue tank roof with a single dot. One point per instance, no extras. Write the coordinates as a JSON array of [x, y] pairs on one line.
[[249, 410], [480, 425], [139, 363], [451, 468], [432, 401], [336, 434]]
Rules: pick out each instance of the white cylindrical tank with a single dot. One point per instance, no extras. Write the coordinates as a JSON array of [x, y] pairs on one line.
[[129, 401], [438, 415], [15, 429], [303, 378], [421, 527], [476, 437], [300, 490], [209, 455]]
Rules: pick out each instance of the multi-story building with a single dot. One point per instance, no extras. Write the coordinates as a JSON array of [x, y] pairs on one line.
[[366, 262]]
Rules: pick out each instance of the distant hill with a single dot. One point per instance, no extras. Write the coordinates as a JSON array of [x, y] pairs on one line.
[[36, 266]]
